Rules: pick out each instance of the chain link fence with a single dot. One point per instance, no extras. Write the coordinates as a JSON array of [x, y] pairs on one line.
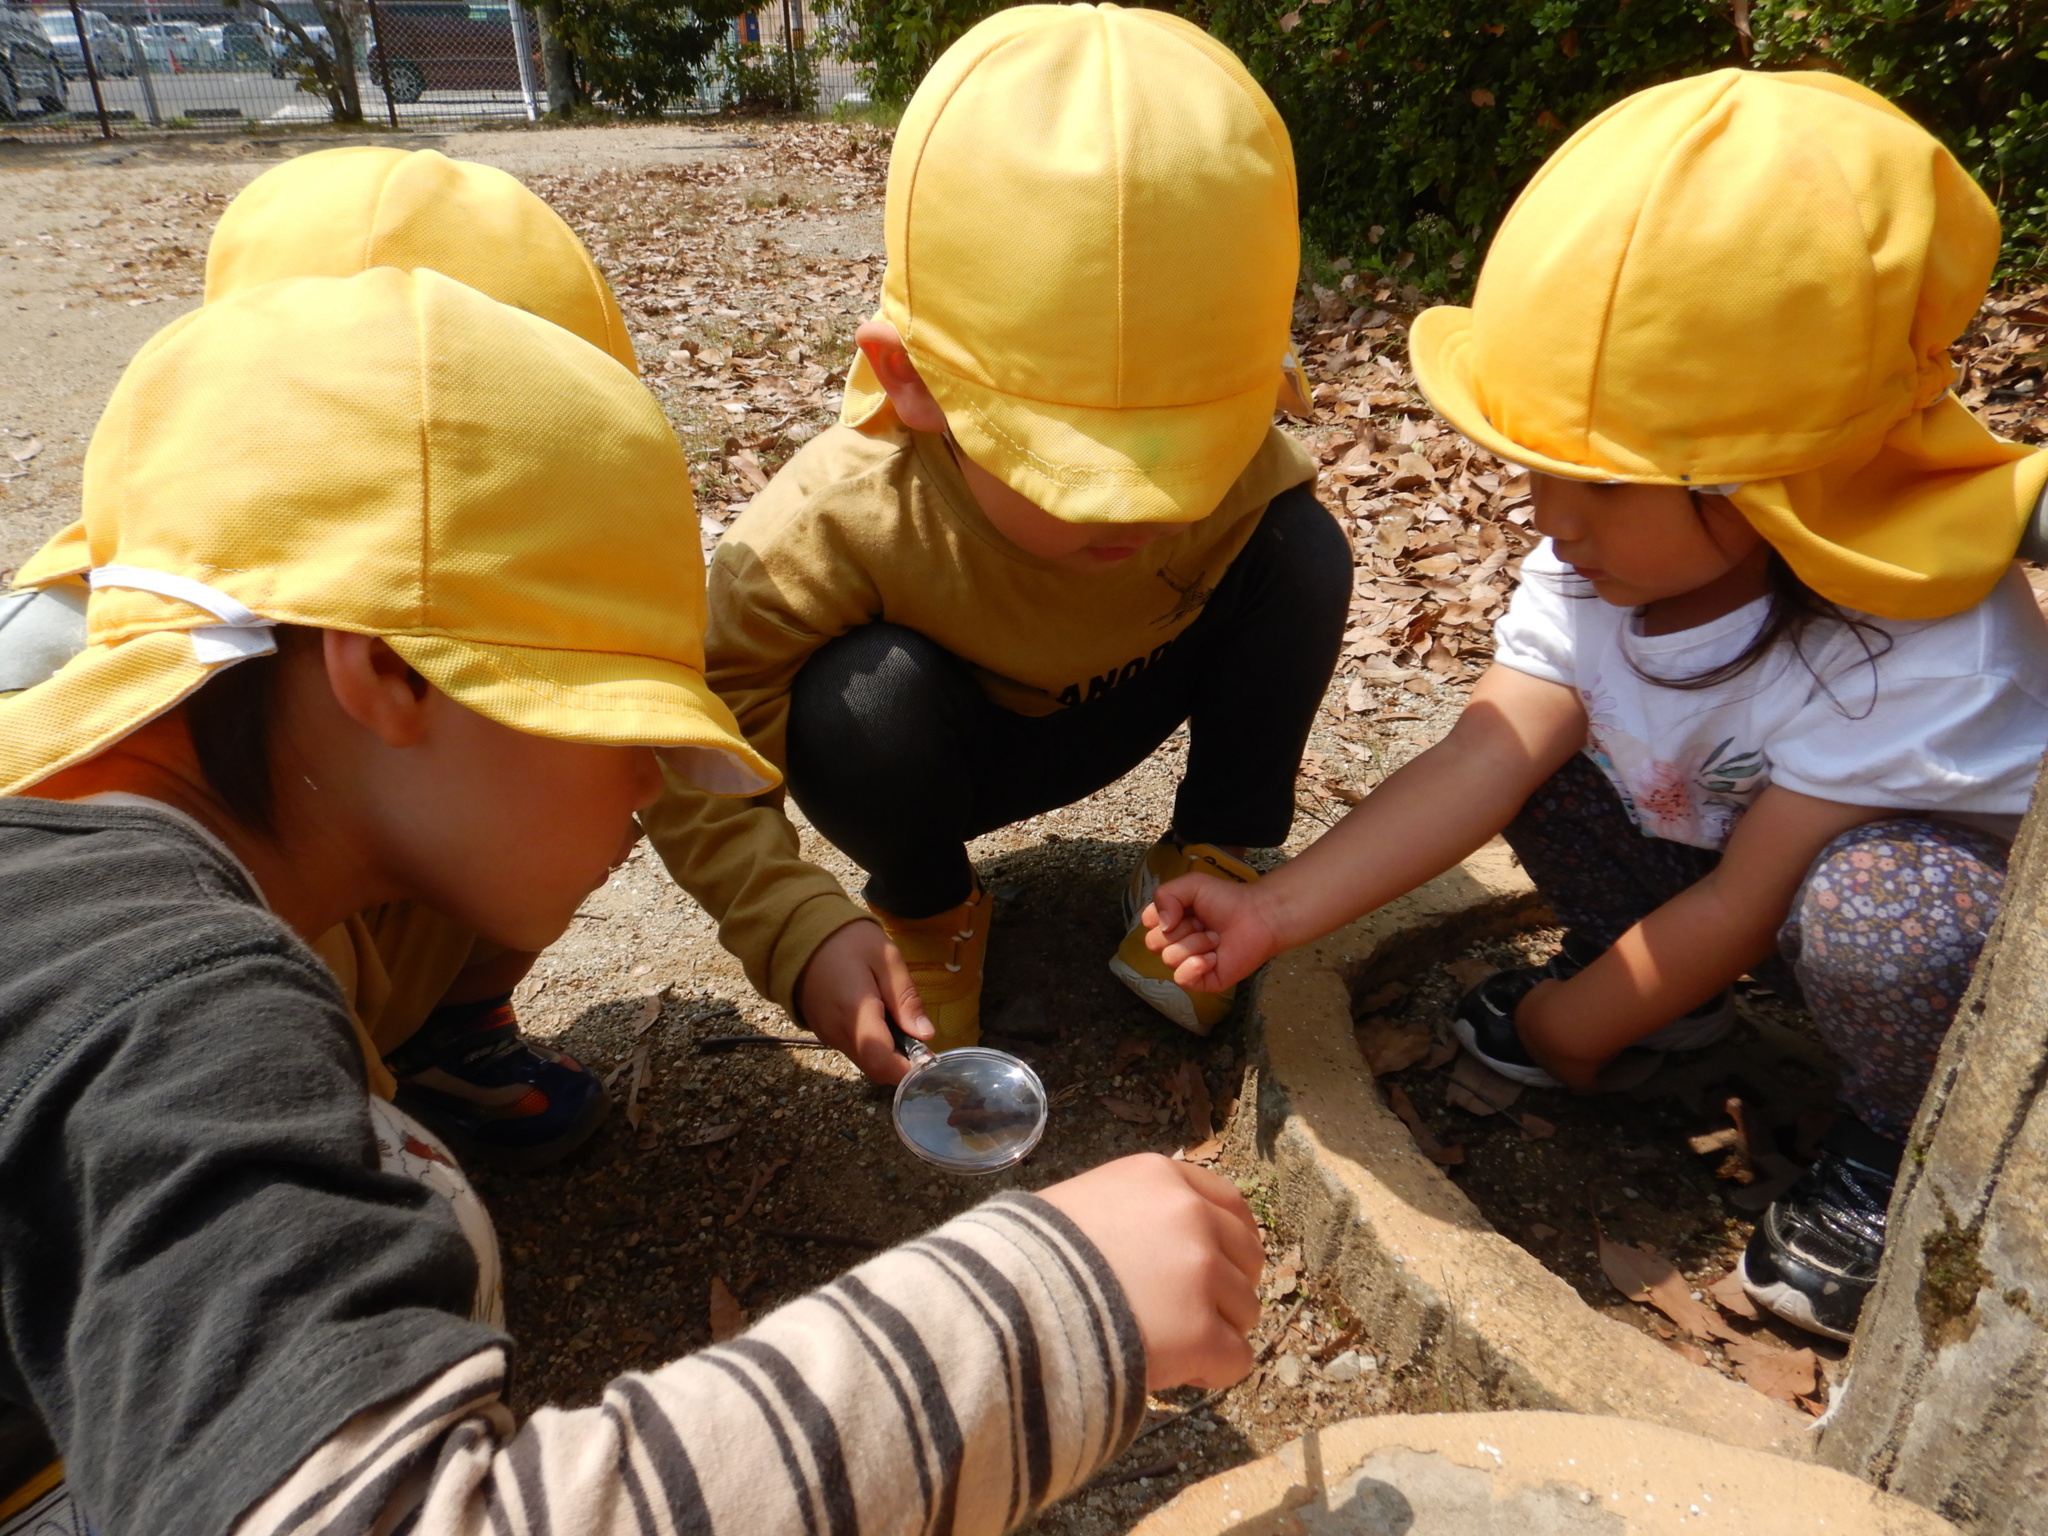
[[131, 65]]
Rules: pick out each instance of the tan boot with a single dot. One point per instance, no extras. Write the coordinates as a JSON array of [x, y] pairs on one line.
[[945, 954], [1144, 972]]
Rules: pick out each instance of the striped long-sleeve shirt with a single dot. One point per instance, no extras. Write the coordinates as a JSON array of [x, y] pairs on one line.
[[228, 1317], [954, 1385]]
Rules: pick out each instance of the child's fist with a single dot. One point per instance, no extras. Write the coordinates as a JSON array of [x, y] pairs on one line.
[[1183, 1244], [1214, 933]]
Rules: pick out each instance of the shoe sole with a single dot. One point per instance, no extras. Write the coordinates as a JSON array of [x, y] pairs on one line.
[[1785, 1301], [471, 1153], [1164, 997], [1528, 1077], [1693, 1034]]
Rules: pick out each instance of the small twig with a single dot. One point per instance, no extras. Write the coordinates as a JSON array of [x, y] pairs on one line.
[[829, 1239], [727, 1042]]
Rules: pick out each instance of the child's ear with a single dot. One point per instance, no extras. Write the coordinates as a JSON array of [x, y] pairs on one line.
[[899, 378], [375, 687]]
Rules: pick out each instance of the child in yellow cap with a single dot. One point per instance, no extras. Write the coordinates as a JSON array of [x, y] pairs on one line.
[[435, 1000], [1055, 522], [1772, 696], [351, 643]]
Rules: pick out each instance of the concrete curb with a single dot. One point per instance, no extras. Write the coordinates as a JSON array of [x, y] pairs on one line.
[[1425, 1274], [1529, 1474]]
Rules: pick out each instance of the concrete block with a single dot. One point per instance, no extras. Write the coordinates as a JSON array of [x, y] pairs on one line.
[[1530, 1474], [1431, 1281]]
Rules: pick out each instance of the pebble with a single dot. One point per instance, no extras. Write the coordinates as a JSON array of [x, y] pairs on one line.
[[1349, 1366], [1288, 1371]]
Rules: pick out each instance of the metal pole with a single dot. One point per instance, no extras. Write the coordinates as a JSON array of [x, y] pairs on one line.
[[99, 100], [144, 74], [383, 63], [788, 50], [524, 50]]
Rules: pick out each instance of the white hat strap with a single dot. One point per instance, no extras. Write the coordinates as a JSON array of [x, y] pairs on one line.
[[240, 634]]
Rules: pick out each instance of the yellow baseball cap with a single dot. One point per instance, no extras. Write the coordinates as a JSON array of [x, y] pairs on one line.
[[337, 212], [1092, 255], [392, 454], [1750, 282]]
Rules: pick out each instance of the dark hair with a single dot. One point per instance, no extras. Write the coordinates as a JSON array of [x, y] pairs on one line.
[[230, 720]]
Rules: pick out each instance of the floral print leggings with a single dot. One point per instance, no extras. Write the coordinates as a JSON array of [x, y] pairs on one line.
[[1880, 941]]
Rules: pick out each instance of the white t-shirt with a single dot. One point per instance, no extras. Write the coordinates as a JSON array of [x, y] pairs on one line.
[[1953, 719]]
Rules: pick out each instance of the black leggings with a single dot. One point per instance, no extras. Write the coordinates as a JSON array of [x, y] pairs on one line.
[[898, 756]]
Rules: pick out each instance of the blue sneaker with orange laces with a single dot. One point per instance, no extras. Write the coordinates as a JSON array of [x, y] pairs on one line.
[[499, 1100]]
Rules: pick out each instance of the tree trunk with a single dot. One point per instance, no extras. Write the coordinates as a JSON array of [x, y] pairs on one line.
[[554, 59], [341, 38], [1947, 1398]]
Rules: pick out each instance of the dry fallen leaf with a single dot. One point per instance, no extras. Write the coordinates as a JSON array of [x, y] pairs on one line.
[[759, 1182], [1784, 1374], [709, 1134], [727, 1320], [1124, 1109], [1391, 1047], [25, 452], [1488, 1086], [1128, 1050], [633, 1110], [1649, 1279], [1205, 1153], [1434, 1150], [1469, 972], [1191, 1096], [1729, 1295], [1284, 1276], [1535, 1127]]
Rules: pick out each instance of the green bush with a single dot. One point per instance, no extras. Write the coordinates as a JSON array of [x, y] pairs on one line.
[[1974, 73], [761, 79], [895, 41], [1416, 121], [642, 57]]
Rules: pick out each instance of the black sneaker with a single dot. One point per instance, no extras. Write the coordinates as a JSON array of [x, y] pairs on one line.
[[1708, 1024], [1485, 1024], [498, 1099], [1813, 1257]]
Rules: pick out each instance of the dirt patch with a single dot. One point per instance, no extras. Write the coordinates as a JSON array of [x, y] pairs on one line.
[[1641, 1197]]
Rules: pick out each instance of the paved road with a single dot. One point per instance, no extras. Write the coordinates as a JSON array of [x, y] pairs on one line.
[[222, 94]]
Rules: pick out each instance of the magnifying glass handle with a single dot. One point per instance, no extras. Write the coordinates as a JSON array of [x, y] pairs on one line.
[[911, 1046]]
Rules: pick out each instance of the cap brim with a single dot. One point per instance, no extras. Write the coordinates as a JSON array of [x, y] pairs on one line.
[[1440, 352], [607, 700], [92, 701], [1085, 464]]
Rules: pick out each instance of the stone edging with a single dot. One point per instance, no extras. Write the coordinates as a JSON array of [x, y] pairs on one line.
[[1423, 1271]]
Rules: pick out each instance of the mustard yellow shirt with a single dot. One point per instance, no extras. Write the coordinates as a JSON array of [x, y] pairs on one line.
[[879, 525]]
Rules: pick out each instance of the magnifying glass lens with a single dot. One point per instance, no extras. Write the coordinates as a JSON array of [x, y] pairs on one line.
[[971, 1111]]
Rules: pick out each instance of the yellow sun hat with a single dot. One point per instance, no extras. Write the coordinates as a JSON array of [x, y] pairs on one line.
[[391, 454], [337, 212], [1093, 248], [1750, 282]]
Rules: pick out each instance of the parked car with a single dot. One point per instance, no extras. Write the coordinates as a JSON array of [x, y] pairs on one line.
[[110, 52], [246, 44], [183, 47], [436, 46], [31, 74]]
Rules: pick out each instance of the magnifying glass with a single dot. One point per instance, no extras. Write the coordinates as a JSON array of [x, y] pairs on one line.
[[974, 1110]]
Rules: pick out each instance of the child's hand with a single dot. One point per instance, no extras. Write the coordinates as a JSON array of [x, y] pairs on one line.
[[854, 984], [1214, 933], [1182, 1243]]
